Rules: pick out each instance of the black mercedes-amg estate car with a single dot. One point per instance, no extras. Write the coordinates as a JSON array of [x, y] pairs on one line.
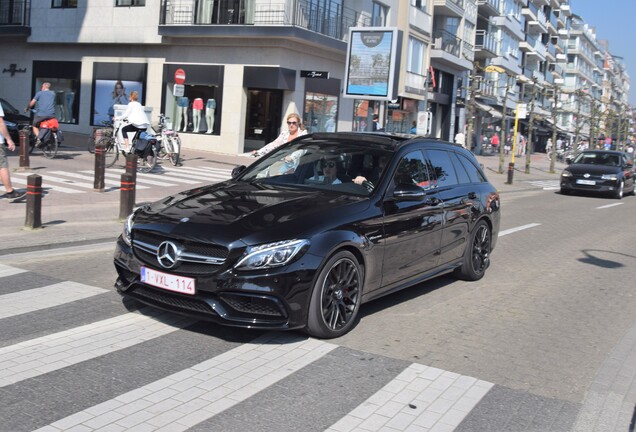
[[307, 233]]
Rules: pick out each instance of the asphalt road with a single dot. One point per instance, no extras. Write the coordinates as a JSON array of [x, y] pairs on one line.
[[551, 327]]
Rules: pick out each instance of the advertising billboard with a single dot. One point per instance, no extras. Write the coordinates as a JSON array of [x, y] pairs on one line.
[[371, 63]]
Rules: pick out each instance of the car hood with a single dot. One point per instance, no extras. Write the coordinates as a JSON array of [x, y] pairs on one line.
[[593, 169], [233, 211]]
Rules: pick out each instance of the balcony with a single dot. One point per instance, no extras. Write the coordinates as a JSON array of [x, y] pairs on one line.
[[186, 18], [449, 7], [485, 45], [15, 18], [414, 83], [448, 49], [489, 8], [420, 20], [537, 22], [553, 24]]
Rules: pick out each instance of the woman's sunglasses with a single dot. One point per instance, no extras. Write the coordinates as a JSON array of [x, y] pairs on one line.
[[292, 123], [328, 164]]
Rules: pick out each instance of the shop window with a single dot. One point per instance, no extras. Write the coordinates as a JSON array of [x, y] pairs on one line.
[[263, 114], [64, 78], [64, 4], [111, 93], [196, 111], [321, 112]]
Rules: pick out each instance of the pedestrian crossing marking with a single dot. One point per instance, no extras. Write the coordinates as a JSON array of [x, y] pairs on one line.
[[117, 175], [420, 397], [15, 178], [186, 398], [45, 354], [6, 270], [92, 177], [41, 298], [546, 184]]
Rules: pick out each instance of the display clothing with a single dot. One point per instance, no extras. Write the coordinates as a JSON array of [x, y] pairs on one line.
[[182, 113], [210, 106], [197, 107]]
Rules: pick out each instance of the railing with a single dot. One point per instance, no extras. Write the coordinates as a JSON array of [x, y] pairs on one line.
[[459, 3], [16, 13], [332, 20], [468, 51], [495, 4], [485, 40], [446, 41]]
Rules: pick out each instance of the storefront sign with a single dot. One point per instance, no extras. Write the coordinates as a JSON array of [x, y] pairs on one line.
[[314, 74], [179, 76], [178, 90]]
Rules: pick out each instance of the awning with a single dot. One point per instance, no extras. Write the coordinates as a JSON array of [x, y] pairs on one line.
[[488, 109]]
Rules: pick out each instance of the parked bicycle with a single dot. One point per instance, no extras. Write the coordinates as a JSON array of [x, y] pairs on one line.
[[145, 149], [107, 130], [169, 139]]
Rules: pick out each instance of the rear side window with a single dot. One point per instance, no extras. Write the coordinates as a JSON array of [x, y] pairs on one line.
[[462, 175], [474, 173], [442, 167], [412, 169]]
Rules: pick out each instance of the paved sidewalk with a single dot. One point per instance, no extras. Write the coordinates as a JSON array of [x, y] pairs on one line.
[[75, 219]]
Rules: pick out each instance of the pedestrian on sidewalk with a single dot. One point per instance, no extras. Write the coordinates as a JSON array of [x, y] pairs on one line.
[[5, 177]]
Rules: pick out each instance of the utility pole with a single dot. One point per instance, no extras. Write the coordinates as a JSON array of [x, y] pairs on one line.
[[554, 129], [470, 109], [530, 148]]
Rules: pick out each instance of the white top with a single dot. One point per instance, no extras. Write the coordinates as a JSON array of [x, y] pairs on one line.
[[135, 115]]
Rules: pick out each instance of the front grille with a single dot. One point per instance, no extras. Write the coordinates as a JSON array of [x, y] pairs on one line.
[[251, 304], [146, 243]]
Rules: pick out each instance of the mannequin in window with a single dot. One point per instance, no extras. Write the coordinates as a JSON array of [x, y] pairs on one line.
[[182, 113], [197, 107], [70, 98], [60, 109], [210, 106]]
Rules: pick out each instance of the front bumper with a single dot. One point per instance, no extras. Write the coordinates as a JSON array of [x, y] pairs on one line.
[[276, 300], [599, 186]]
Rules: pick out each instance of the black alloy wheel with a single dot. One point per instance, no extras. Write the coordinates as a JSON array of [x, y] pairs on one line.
[[477, 254], [336, 297], [618, 194]]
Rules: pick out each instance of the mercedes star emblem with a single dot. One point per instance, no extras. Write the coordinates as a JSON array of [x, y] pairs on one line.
[[167, 254]]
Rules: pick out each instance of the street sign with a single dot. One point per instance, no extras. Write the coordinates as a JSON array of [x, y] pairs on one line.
[[314, 74], [178, 90], [522, 110], [179, 76]]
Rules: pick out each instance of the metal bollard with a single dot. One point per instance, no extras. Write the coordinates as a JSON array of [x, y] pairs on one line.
[[511, 172], [127, 196], [34, 202], [131, 169], [100, 168], [24, 149]]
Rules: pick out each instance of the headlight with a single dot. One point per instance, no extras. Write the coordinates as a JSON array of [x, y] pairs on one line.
[[271, 254], [566, 174], [125, 235], [609, 177]]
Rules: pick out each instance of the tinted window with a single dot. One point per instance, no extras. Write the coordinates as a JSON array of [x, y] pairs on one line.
[[474, 173], [462, 175], [412, 169], [442, 167]]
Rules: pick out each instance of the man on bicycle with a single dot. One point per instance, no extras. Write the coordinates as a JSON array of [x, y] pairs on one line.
[[45, 109]]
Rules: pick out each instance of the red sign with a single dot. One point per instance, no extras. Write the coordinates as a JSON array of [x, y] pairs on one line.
[[179, 76]]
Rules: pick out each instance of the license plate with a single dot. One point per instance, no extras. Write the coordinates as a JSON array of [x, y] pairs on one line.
[[167, 281], [586, 182]]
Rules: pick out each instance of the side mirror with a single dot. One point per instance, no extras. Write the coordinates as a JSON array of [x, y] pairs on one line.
[[237, 170], [408, 192]]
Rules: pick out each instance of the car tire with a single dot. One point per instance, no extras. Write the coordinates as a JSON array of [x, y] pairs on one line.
[[477, 254], [618, 194], [336, 298], [565, 192]]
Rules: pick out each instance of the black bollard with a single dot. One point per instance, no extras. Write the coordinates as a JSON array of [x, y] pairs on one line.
[[100, 168], [511, 172], [34, 202], [131, 168], [127, 196], [24, 148]]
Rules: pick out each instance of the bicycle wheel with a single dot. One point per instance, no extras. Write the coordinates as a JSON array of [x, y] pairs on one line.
[[164, 148], [175, 143], [49, 149], [90, 143], [147, 163], [110, 151]]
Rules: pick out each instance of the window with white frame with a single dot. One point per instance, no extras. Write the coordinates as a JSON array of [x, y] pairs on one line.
[[130, 2], [379, 14], [416, 56]]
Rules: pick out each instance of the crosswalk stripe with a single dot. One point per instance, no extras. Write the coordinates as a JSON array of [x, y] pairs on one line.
[[545, 184], [200, 177], [144, 176], [45, 354], [195, 394], [46, 177], [45, 186], [421, 397], [87, 177], [45, 297], [118, 173], [6, 270], [199, 173], [204, 170]]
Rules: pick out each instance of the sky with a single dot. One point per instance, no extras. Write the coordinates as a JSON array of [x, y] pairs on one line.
[[614, 21]]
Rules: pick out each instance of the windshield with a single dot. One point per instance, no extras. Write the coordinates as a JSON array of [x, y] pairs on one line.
[[8, 108], [350, 168], [598, 158]]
